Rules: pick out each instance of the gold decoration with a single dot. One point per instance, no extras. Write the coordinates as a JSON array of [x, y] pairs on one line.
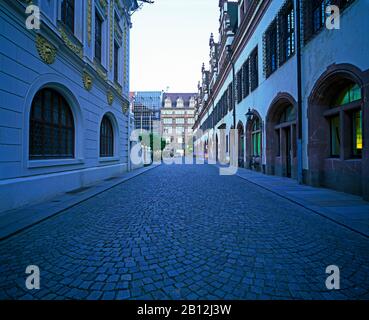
[[87, 81], [46, 50], [77, 49], [110, 97], [118, 88], [125, 107], [89, 21], [102, 74]]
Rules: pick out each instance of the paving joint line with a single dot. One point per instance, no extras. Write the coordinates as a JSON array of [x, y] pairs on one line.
[[12, 234], [304, 206]]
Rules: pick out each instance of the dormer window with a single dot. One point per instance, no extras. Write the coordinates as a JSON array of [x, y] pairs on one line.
[[180, 103], [168, 103], [192, 102]]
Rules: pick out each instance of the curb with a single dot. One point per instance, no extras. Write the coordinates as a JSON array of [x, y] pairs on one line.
[[74, 202]]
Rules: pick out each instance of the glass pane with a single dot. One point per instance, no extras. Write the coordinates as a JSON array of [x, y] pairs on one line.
[[357, 133], [335, 136], [349, 94]]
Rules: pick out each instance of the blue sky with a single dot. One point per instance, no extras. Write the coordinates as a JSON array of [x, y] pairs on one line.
[[169, 42]]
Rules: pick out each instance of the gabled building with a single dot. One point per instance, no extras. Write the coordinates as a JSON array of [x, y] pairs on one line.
[[296, 90], [64, 96]]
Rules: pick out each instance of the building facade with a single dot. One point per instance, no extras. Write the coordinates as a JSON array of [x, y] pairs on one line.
[[64, 96], [146, 109], [177, 120], [295, 88]]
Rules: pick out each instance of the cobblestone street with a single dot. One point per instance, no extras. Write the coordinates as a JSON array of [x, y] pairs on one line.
[[185, 232]]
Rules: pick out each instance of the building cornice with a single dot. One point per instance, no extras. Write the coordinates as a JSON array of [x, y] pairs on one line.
[[242, 37]]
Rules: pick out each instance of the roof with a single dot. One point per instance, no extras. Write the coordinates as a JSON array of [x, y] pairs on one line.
[[174, 97]]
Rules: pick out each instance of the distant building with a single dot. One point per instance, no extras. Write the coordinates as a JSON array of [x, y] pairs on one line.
[[63, 97], [146, 109], [177, 119]]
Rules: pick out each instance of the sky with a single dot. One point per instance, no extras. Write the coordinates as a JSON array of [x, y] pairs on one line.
[[169, 43]]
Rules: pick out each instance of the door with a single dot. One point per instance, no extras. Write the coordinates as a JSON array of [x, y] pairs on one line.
[[288, 151]]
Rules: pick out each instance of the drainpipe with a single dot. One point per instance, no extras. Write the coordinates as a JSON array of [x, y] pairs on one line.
[[299, 93]]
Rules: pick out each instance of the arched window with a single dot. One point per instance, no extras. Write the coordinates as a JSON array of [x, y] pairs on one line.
[[106, 138], [348, 102], [256, 138], [51, 127]]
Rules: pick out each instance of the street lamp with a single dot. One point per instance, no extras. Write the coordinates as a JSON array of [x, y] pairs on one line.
[[249, 114]]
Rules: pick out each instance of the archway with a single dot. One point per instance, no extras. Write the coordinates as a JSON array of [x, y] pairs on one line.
[[254, 128], [336, 130], [281, 131]]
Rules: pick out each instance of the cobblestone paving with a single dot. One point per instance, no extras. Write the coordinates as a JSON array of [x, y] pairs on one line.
[[185, 232]]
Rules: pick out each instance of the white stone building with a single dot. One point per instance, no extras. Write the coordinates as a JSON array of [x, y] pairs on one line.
[[309, 123], [64, 96]]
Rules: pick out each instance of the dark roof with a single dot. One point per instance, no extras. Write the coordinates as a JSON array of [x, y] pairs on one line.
[[174, 97]]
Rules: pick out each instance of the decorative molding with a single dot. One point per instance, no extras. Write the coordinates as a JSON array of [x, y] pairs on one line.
[[125, 53], [104, 5], [45, 49], [110, 97], [87, 80], [118, 88], [111, 34], [77, 49], [101, 73], [89, 21], [125, 106]]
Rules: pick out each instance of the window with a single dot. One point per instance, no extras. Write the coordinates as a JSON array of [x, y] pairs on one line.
[[230, 96], [347, 102], [256, 138], [106, 138], [180, 103], [357, 133], [179, 130], [246, 79], [180, 121], [167, 120], [271, 47], [315, 16], [239, 86], [288, 115], [335, 136], [67, 14], [350, 94], [287, 32], [51, 127], [98, 38], [168, 103], [254, 69], [116, 62], [190, 121]]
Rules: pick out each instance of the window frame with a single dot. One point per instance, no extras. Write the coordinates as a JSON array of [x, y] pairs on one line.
[[98, 37], [66, 132], [67, 5], [107, 148]]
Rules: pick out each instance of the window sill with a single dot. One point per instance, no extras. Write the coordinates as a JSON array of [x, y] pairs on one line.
[[53, 163], [108, 159]]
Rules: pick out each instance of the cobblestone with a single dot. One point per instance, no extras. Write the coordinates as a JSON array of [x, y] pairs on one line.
[[184, 232]]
